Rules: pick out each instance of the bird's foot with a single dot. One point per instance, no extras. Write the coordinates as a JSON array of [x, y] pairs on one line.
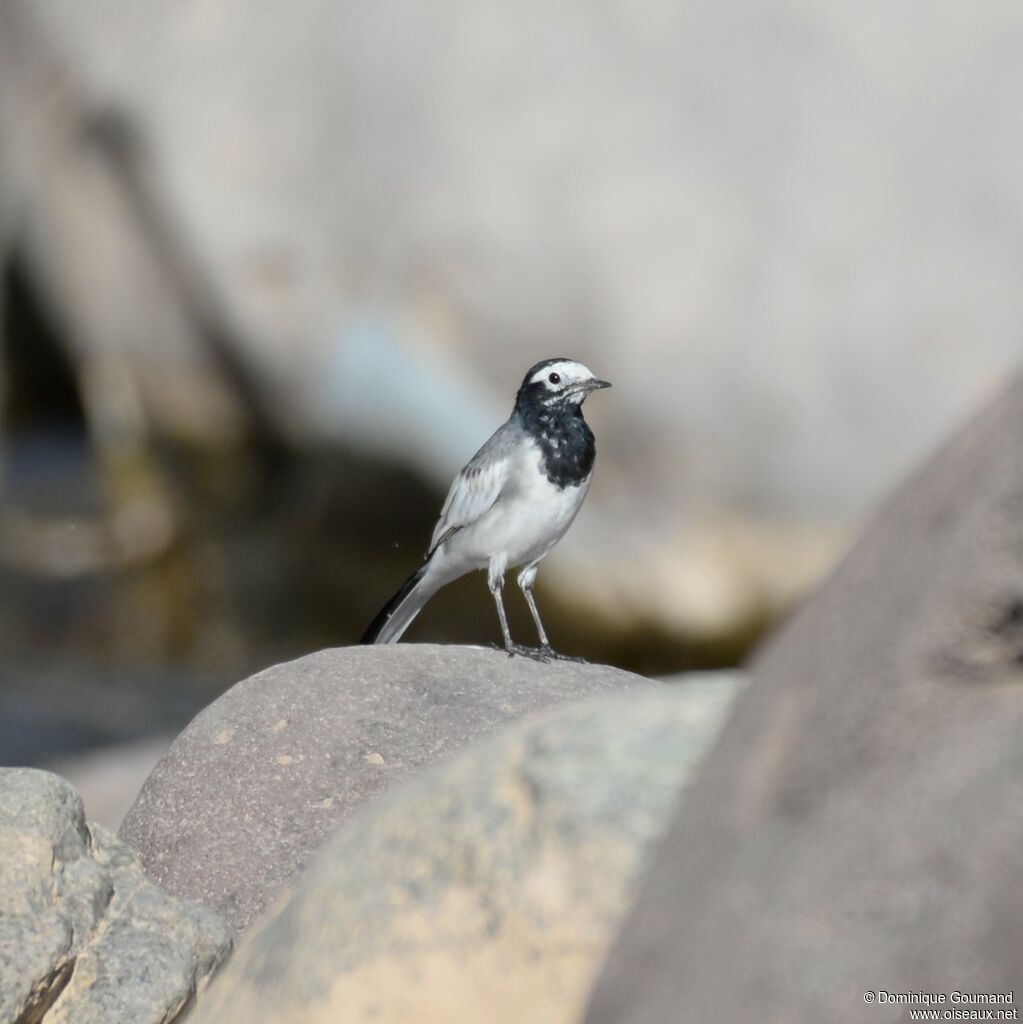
[[544, 654], [556, 656]]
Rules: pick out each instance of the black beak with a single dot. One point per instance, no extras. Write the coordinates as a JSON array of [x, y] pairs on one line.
[[594, 385]]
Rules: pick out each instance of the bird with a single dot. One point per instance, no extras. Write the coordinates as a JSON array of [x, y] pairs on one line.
[[510, 504]]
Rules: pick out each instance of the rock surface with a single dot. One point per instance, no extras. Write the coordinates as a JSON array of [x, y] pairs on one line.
[[488, 888], [264, 775], [85, 938], [859, 826]]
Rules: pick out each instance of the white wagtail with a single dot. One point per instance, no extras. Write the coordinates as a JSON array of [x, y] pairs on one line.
[[511, 503]]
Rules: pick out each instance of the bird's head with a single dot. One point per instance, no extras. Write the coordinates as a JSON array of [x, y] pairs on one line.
[[557, 382]]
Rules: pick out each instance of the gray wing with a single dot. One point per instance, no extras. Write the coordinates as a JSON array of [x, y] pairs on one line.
[[479, 485]]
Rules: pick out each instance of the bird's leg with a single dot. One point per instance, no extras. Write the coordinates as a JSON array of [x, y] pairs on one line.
[[526, 580], [495, 580], [505, 632]]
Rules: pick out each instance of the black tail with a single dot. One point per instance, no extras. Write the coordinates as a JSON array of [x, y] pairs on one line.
[[376, 627]]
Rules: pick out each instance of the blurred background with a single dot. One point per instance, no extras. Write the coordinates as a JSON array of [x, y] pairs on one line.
[[269, 275]]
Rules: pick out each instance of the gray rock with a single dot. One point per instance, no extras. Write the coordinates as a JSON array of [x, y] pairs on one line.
[[264, 775], [858, 827], [488, 888], [85, 938]]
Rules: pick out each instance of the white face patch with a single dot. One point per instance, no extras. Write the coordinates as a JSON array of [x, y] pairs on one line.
[[568, 375], [567, 372]]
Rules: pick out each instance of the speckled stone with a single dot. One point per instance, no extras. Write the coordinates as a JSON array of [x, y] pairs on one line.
[[258, 781], [85, 938], [488, 888]]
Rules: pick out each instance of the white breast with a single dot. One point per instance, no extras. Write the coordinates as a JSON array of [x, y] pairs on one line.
[[528, 519]]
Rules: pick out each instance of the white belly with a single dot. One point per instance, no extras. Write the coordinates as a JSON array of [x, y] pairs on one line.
[[525, 523]]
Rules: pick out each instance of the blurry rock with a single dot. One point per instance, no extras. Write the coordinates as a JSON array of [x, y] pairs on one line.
[[488, 889], [258, 781], [109, 778], [858, 827], [84, 937], [767, 225]]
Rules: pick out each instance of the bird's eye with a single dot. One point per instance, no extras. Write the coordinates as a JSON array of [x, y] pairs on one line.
[[554, 378]]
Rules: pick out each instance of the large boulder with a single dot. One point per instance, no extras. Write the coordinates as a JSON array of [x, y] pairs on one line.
[[85, 938], [858, 828], [264, 775], [487, 889]]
